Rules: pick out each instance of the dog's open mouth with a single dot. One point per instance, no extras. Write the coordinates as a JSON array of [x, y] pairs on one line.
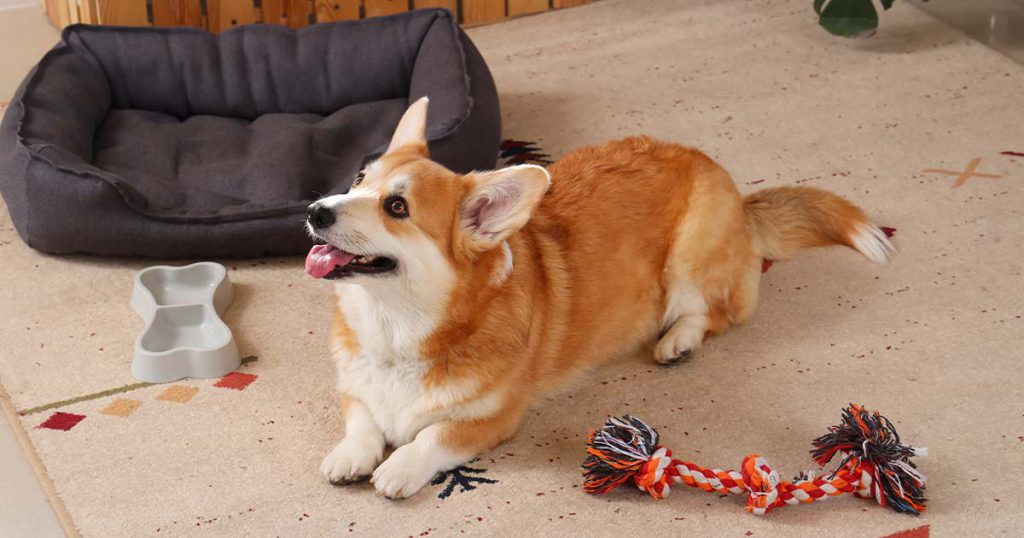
[[330, 262]]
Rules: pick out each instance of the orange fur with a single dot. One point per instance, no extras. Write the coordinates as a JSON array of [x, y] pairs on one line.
[[633, 238], [791, 218], [342, 335]]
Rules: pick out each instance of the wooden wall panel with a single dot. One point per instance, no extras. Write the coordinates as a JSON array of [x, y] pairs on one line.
[[177, 13], [74, 16], [223, 14], [450, 5], [481, 11], [274, 12], [299, 13], [525, 7], [379, 8], [559, 4], [122, 12], [88, 12], [57, 11], [336, 10]]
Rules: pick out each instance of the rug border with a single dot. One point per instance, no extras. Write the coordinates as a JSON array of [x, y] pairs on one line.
[[38, 468]]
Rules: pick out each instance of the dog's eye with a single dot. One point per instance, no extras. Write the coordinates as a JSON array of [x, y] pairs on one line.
[[396, 207], [358, 179]]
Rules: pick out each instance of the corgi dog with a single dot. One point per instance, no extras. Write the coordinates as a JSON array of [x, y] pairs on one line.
[[461, 298]]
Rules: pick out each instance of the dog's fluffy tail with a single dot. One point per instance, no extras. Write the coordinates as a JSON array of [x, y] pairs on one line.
[[788, 219]]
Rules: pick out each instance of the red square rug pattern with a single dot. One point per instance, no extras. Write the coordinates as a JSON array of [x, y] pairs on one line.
[[236, 380], [917, 532], [62, 421]]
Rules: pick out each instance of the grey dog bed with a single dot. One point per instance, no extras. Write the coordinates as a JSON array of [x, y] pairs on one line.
[[175, 143]]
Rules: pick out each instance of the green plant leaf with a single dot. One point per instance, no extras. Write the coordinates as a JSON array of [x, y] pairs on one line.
[[817, 6], [849, 18]]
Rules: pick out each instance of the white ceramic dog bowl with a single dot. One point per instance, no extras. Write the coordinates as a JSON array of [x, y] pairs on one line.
[[184, 335]]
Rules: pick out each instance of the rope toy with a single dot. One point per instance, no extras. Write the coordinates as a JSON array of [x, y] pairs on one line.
[[874, 465]]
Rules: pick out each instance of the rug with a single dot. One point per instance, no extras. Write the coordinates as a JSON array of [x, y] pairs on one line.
[[919, 125]]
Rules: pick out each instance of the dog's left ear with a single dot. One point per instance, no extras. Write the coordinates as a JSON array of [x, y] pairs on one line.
[[499, 203], [412, 128]]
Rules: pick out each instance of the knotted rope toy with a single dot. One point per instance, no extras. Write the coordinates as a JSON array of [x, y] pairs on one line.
[[874, 465]]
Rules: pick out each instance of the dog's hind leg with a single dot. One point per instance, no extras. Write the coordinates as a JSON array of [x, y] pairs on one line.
[[727, 296], [684, 324], [710, 276]]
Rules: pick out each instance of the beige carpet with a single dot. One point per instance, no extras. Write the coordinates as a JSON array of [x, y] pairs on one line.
[[933, 340]]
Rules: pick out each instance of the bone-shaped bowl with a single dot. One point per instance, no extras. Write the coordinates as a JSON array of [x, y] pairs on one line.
[[184, 334]]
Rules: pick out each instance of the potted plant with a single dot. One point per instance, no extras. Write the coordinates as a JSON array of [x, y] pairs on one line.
[[849, 18]]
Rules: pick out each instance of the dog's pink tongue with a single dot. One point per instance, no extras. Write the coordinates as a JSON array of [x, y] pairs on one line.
[[322, 259]]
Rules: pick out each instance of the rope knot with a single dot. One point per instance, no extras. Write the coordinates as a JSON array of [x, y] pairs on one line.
[[874, 464], [762, 482], [652, 476]]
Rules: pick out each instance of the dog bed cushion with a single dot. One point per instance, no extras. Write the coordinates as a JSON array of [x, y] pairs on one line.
[[173, 142]]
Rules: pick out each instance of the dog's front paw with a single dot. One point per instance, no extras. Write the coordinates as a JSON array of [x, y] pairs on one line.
[[352, 460], [404, 473]]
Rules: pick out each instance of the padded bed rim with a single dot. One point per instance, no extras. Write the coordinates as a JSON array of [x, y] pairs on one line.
[[61, 162]]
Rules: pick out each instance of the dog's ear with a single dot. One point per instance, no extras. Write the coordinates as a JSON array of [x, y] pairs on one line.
[[499, 203], [412, 128]]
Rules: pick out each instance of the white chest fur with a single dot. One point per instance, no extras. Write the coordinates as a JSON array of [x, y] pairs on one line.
[[401, 404], [387, 373], [392, 390]]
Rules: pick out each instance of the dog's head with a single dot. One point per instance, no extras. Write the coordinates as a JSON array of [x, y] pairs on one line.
[[410, 223]]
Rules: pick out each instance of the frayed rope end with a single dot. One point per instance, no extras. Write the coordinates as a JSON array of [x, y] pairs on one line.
[[617, 452], [869, 441]]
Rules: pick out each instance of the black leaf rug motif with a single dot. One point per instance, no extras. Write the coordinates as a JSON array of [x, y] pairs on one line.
[[465, 478]]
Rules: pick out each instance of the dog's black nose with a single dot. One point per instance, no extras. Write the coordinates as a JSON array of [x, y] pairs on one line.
[[319, 215]]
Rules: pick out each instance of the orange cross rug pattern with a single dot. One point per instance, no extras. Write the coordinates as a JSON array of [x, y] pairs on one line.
[[963, 175]]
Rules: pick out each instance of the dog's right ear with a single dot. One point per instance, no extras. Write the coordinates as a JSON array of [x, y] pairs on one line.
[[412, 129], [499, 203]]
